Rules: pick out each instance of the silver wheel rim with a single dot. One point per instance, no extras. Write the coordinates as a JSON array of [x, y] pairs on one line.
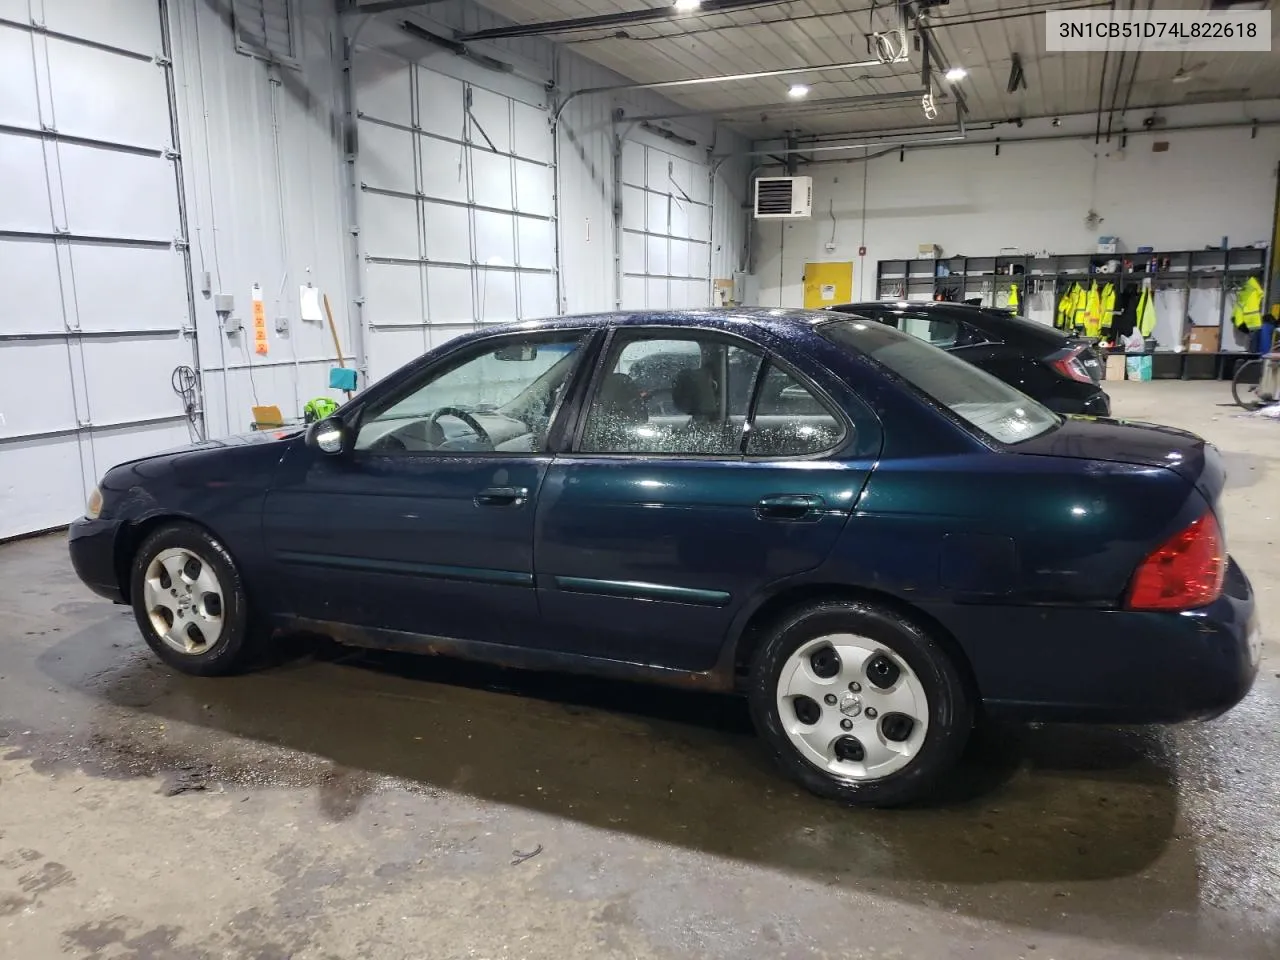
[[854, 703], [184, 601]]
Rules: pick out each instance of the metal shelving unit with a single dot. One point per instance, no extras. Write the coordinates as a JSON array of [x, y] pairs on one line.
[[989, 279]]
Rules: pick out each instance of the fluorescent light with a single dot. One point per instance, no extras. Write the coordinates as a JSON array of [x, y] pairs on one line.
[[798, 90], [687, 6], [956, 74]]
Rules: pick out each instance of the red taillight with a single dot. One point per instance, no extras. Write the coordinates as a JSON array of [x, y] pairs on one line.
[[1184, 572], [1071, 367]]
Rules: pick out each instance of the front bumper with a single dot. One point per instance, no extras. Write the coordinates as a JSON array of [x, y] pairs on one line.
[[92, 545], [1113, 666]]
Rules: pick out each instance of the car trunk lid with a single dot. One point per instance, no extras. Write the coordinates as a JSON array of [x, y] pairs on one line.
[[1146, 444]]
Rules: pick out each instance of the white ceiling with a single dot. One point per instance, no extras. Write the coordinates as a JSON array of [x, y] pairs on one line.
[[981, 35]]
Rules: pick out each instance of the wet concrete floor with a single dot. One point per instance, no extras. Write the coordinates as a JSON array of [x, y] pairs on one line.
[[344, 804]]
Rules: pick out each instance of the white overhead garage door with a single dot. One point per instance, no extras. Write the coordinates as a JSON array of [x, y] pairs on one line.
[[456, 207], [666, 229], [95, 315]]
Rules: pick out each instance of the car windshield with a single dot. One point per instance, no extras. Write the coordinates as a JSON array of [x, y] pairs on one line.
[[990, 405]]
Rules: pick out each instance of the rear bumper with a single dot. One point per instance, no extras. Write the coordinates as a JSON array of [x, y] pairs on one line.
[[92, 545], [1113, 666]]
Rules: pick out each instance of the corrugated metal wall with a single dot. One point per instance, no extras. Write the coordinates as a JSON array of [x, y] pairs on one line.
[[265, 203]]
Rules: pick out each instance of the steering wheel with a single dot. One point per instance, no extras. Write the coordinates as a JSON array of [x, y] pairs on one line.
[[465, 417]]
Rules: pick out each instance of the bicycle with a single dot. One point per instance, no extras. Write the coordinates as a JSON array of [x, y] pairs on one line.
[[1256, 383]]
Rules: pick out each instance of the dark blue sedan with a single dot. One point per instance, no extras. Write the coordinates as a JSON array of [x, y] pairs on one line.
[[870, 538]]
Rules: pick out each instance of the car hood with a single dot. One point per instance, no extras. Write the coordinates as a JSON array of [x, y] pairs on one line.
[[1146, 444]]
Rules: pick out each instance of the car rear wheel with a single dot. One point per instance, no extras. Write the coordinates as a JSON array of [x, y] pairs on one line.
[[859, 704], [189, 601]]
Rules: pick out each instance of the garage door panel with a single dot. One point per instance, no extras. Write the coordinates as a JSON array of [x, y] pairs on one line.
[[680, 178], [656, 260], [41, 485], [656, 294], [534, 189], [655, 170], [495, 239], [699, 188], [656, 219], [113, 194], [491, 179], [32, 302], [128, 24], [386, 157], [678, 257], [532, 134], [448, 228], [537, 296], [26, 188], [441, 105], [679, 215], [537, 239], [35, 387], [449, 295], [699, 221], [132, 109], [632, 252], [19, 106], [443, 173], [389, 350], [633, 208], [633, 293], [696, 293], [384, 86], [393, 292], [493, 112], [126, 288], [497, 297], [391, 226], [128, 378], [633, 156]]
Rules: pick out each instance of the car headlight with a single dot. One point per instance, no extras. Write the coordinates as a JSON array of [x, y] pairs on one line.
[[93, 509]]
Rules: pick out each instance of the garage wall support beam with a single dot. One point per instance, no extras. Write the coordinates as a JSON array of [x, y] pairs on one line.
[[790, 106], [620, 19]]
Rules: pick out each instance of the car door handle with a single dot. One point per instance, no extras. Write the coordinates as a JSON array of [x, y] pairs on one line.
[[502, 496], [790, 506]]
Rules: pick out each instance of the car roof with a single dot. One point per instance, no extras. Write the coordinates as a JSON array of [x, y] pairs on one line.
[[777, 319], [1007, 324]]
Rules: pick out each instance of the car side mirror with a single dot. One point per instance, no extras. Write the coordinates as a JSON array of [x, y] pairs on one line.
[[331, 436]]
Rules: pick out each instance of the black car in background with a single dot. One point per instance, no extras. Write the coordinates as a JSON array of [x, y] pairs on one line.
[[1061, 371]]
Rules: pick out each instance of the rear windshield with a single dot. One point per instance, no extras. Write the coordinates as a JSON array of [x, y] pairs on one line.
[[990, 405]]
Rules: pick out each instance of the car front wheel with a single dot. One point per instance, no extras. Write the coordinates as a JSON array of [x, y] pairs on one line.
[[859, 704], [189, 601]]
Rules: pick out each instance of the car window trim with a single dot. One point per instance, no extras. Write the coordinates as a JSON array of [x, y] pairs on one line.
[[767, 355], [465, 354]]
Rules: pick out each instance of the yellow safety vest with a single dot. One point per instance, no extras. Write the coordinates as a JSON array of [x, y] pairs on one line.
[[1146, 312], [1013, 296], [1066, 309], [1246, 313], [1106, 306], [1093, 312]]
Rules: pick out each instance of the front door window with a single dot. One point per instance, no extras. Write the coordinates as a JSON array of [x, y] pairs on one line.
[[498, 400]]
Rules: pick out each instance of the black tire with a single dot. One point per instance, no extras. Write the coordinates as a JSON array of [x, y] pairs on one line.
[[1244, 385], [232, 650], [951, 707]]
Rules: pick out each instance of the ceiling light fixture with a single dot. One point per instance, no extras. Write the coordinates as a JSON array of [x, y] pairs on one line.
[[956, 74], [798, 91], [687, 6]]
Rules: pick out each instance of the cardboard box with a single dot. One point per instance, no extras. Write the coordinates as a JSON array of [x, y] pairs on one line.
[[929, 251], [1204, 340], [1114, 369]]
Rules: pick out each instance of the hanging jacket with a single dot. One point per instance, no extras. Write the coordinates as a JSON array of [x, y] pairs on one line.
[[1093, 312], [1106, 308], [1125, 319], [1246, 312], [1146, 320], [1071, 308], [1013, 297]]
